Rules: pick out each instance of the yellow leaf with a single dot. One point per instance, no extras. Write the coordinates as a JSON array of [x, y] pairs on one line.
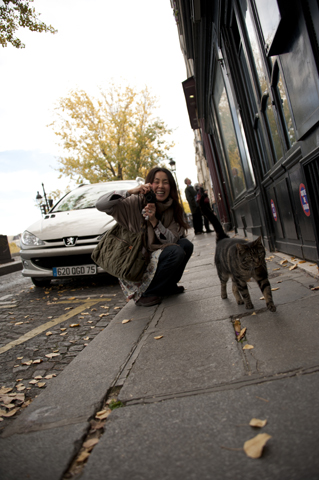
[[302, 261], [254, 447], [11, 413], [315, 288], [255, 422], [274, 289], [126, 321], [51, 355], [102, 414], [33, 382], [19, 323], [71, 298], [276, 269], [19, 358], [248, 347], [41, 384], [82, 457], [38, 377], [102, 315], [117, 308], [50, 376], [254, 313], [68, 308], [62, 329], [262, 298], [48, 334], [38, 360], [86, 338], [64, 333], [283, 262], [27, 363], [242, 334], [74, 325], [5, 390], [158, 337], [293, 267]]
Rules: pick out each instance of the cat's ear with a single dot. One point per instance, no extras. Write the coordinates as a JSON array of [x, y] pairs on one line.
[[242, 248], [258, 241]]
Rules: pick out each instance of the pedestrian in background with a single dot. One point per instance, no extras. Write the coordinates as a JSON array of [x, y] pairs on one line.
[[191, 194]]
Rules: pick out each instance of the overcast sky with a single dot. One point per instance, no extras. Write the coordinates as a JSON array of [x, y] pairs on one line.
[[134, 42]]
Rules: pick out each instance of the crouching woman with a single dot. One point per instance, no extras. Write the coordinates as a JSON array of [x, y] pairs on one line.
[[166, 227]]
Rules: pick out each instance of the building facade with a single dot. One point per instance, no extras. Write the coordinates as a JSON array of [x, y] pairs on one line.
[[252, 93]]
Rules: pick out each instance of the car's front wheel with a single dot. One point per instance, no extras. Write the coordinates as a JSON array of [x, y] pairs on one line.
[[41, 282]]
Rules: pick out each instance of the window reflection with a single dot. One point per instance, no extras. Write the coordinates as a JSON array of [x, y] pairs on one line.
[[229, 139], [256, 52], [269, 17], [273, 130], [286, 111]]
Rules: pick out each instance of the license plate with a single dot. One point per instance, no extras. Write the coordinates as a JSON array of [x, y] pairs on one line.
[[73, 271]]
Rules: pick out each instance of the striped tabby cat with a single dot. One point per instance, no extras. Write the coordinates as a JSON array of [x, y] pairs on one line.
[[240, 260]]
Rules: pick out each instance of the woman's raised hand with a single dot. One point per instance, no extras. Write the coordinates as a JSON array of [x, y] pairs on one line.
[[140, 189]]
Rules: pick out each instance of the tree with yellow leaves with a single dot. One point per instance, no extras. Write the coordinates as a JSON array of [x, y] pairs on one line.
[[113, 137]]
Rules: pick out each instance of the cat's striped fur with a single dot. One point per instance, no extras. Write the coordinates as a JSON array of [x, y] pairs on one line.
[[241, 260]]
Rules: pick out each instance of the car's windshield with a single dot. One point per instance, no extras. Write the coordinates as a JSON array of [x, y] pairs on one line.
[[87, 195]]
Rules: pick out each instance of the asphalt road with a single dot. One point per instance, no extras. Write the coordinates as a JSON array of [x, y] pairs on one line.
[[43, 329]]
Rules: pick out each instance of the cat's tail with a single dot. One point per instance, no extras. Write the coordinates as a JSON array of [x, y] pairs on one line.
[[211, 217]]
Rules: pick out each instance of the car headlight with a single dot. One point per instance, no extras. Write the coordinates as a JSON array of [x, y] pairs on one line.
[[30, 239]]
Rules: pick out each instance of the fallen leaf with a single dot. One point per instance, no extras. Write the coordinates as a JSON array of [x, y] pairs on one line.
[[86, 338], [19, 358], [254, 313], [50, 317], [48, 334], [312, 265], [283, 262], [33, 382], [27, 363], [103, 414], [5, 390], [248, 347], [50, 376], [41, 384], [158, 337], [64, 333], [19, 323], [126, 321], [302, 261], [85, 313], [94, 310], [20, 389], [117, 308], [83, 456], [262, 298], [89, 444], [38, 377], [315, 288], [68, 308], [254, 447], [71, 298], [2, 412], [62, 329], [237, 326], [74, 325], [51, 355], [274, 269], [11, 413], [255, 422], [103, 315], [274, 289], [38, 360], [293, 267], [242, 334]]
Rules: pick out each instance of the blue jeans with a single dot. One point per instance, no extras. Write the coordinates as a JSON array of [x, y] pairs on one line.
[[171, 264]]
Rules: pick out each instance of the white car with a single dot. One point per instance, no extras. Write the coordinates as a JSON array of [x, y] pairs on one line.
[[60, 244]]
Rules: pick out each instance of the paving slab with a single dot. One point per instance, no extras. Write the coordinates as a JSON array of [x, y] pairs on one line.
[[78, 391], [48, 453], [185, 359], [192, 437], [286, 340]]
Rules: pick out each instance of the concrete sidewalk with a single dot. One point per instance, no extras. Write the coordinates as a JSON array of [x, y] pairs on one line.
[[189, 396]]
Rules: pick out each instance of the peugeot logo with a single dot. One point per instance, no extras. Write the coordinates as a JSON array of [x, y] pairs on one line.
[[70, 241]]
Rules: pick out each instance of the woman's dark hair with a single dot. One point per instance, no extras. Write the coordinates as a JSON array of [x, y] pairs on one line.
[[177, 207]]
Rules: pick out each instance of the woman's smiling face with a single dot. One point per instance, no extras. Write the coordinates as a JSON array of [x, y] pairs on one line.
[[161, 186]]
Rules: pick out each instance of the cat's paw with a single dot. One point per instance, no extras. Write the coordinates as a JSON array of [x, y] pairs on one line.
[[224, 295], [249, 306], [271, 307], [240, 302]]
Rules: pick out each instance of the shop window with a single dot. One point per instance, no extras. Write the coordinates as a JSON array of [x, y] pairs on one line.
[[280, 89], [269, 114], [228, 136]]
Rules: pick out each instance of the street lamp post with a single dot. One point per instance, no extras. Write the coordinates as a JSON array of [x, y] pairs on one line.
[[172, 164], [44, 207]]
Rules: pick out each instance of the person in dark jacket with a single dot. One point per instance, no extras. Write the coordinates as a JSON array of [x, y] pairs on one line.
[[191, 194], [166, 228]]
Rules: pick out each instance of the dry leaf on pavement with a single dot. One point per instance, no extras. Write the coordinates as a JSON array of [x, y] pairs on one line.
[[11, 413], [89, 444], [102, 414], [293, 267], [248, 347], [48, 334], [82, 457], [74, 325], [242, 334], [158, 337], [274, 289], [256, 422], [254, 447], [51, 355], [126, 321], [283, 261]]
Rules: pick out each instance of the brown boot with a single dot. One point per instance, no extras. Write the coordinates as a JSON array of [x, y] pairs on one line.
[[148, 301]]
